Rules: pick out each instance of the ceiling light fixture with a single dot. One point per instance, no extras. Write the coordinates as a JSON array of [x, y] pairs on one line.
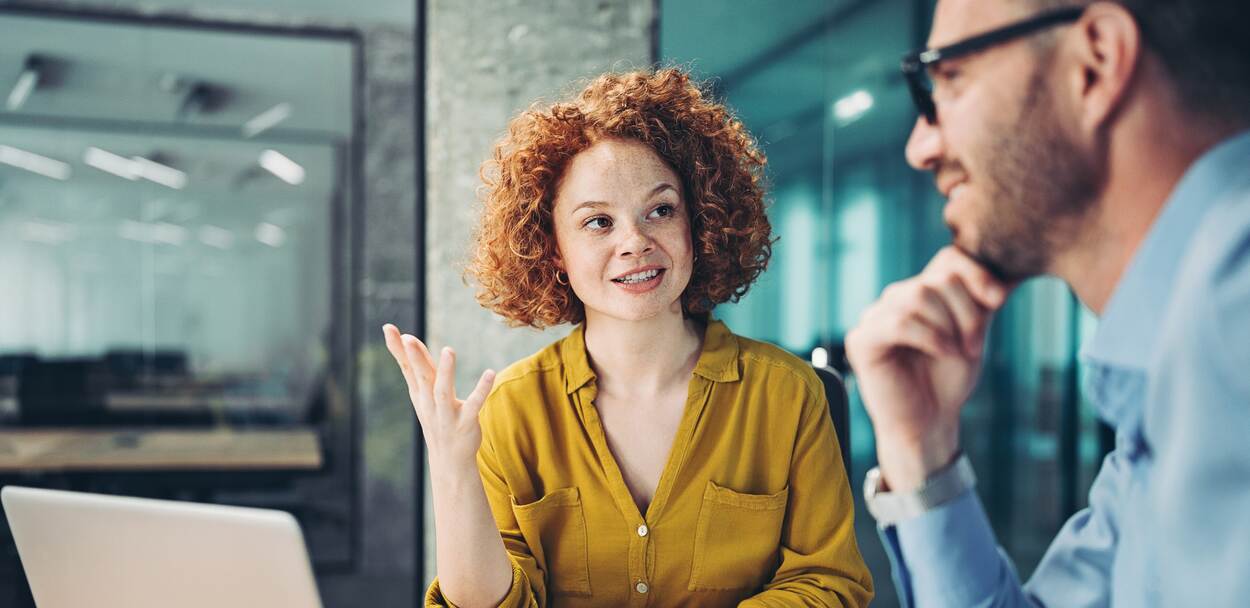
[[111, 163], [284, 168], [266, 120], [27, 82], [852, 107], [34, 163], [158, 173]]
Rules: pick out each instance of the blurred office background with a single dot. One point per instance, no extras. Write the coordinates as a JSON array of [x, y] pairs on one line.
[[208, 210]]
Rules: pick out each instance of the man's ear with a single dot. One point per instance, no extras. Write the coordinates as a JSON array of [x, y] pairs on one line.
[[1105, 49]]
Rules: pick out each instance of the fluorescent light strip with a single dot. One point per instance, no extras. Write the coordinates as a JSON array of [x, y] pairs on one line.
[[111, 163], [216, 236], [158, 173], [26, 82], [853, 106], [269, 234], [284, 168], [34, 163], [266, 120]]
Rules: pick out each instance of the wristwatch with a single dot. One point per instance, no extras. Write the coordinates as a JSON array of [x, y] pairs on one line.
[[889, 508]]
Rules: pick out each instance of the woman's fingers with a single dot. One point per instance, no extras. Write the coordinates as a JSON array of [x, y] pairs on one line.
[[445, 378], [426, 358], [473, 403], [395, 345], [414, 351]]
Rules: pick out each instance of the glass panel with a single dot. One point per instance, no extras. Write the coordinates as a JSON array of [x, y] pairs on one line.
[[174, 239]]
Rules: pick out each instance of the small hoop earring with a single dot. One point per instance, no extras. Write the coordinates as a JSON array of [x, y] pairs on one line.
[[566, 278]]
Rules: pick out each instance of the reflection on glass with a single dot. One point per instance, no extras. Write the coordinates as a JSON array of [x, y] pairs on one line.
[[174, 207]]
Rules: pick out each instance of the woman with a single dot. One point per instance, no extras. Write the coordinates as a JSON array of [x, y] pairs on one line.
[[650, 457]]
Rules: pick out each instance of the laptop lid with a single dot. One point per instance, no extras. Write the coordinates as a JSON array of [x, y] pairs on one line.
[[113, 551]]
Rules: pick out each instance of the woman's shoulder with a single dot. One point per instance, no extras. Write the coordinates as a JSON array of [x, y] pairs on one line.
[[524, 388], [532, 368], [773, 362]]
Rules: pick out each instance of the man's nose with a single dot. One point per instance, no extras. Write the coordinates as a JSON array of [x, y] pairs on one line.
[[924, 146]]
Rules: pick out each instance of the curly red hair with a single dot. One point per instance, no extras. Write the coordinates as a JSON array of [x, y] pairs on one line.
[[719, 163]]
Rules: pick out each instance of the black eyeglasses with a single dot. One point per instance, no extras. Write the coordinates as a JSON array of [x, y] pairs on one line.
[[917, 65]]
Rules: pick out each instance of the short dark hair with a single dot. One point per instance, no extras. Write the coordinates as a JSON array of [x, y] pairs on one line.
[[1203, 44]]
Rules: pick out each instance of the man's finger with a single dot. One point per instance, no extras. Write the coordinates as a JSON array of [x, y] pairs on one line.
[[970, 316], [984, 287], [916, 333]]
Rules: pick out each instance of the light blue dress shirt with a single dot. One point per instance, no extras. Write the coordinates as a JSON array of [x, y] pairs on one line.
[[1168, 522]]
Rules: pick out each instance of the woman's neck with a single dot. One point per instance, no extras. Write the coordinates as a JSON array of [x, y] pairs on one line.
[[644, 357]]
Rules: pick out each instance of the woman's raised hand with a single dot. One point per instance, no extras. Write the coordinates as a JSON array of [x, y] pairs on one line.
[[452, 433]]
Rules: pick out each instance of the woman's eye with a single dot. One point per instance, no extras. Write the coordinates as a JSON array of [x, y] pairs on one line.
[[597, 223], [663, 211]]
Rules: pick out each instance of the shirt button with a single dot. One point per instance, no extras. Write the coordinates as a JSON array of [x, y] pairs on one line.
[[642, 587], [643, 529]]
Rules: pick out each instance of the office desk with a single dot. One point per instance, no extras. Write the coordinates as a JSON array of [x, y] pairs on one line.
[[122, 450]]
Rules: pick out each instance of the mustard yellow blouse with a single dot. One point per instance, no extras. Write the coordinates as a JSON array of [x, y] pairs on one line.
[[752, 507]]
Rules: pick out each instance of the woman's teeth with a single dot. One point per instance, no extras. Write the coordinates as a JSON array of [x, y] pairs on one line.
[[639, 277]]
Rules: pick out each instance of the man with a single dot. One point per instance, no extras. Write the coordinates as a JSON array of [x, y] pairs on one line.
[[1105, 144]]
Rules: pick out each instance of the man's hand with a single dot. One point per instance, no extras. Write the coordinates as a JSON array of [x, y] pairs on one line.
[[917, 353]]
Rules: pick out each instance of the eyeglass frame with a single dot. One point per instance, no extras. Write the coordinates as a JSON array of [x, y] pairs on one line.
[[917, 63]]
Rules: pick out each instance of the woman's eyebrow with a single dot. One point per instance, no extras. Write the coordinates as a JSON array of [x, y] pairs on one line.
[[661, 187], [592, 204]]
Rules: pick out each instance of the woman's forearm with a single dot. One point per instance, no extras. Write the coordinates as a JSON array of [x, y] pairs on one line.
[[473, 566]]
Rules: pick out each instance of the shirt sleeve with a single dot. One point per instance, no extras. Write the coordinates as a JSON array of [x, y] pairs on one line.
[[949, 557], [1197, 416], [820, 560], [528, 585]]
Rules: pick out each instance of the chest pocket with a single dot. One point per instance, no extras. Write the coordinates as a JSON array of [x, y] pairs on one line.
[[737, 539], [554, 527]]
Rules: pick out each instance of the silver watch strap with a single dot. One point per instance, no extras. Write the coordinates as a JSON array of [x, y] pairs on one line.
[[947, 484]]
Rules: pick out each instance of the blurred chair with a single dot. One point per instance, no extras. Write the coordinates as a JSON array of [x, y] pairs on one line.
[[62, 392], [839, 409]]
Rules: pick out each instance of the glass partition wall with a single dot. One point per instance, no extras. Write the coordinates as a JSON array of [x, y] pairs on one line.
[[818, 84], [175, 238]]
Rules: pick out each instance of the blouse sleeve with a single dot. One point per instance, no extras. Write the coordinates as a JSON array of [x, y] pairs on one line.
[[528, 586], [820, 560]]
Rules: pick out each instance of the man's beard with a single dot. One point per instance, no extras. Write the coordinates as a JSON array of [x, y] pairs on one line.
[[1040, 186]]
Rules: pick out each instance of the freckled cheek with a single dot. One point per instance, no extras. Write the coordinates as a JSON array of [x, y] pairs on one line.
[[676, 241]]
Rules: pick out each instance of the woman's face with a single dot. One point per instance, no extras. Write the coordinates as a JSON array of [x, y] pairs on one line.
[[623, 231]]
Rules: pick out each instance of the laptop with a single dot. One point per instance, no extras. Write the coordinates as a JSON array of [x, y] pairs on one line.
[[119, 552]]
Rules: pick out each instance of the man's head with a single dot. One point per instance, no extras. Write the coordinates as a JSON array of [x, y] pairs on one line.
[[1021, 140]]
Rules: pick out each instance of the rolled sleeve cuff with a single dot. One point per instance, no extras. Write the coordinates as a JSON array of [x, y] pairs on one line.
[[516, 593], [946, 556]]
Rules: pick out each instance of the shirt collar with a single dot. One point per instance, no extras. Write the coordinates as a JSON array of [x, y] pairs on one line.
[[1129, 327], [718, 361]]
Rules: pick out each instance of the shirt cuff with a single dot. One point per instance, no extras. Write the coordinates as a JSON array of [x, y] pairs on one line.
[[947, 555], [515, 597]]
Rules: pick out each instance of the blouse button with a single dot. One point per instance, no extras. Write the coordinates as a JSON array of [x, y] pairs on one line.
[[642, 587], [642, 530]]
